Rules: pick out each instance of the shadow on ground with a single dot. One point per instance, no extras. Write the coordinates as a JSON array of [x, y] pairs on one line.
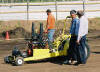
[[96, 52], [56, 60]]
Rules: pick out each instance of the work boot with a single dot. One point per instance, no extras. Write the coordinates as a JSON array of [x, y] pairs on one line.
[[66, 62], [73, 62], [52, 50], [77, 64]]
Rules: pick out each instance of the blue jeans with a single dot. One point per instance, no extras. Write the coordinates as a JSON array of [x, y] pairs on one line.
[[72, 51], [82, 50], [51, 34], [50, 37], [75, 51]]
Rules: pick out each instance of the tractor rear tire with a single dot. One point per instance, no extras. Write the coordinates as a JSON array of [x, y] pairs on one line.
[[19, 61], [7, 59], [87, 50]]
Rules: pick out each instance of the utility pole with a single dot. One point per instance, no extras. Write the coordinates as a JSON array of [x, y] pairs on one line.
[[56, 12], [27, 11], [56, 9], [84, 5]]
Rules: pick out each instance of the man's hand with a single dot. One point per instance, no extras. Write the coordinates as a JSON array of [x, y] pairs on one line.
[[78, 42], [68, 17], [46, 31]]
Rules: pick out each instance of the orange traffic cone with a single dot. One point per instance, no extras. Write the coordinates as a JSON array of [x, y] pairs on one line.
[[7, 35]]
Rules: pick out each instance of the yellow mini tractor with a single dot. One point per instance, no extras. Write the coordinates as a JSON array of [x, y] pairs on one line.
[[38, 48]]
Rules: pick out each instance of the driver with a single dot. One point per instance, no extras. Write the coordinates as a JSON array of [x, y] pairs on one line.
[[50, 29]]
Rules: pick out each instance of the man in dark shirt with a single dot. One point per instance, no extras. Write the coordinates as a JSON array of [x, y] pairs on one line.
[[72, 52]]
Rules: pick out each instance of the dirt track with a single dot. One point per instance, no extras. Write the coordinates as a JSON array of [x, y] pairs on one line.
[[93, 63]]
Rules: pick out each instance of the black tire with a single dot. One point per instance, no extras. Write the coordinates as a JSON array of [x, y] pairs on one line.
[[19, 61], [87, 50], [8, 59]]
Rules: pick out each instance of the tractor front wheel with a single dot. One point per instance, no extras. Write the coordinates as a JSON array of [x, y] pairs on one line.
[[87, 50], [19, 61]]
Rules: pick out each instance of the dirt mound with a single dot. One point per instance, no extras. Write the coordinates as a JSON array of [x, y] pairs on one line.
[[20, 29], [16, 33]]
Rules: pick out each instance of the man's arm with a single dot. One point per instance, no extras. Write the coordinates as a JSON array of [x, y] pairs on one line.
[[77, 30], [47, 25], [77, 27]]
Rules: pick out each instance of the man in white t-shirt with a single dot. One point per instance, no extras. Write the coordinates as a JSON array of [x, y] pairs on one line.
[[83, 29], [81, 40]]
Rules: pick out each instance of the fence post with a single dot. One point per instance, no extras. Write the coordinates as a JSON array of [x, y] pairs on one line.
[[27, 11], [56, 13], [83, 5], [56, 10]]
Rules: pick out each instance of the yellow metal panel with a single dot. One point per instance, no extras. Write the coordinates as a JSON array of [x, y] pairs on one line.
[[44, 53]]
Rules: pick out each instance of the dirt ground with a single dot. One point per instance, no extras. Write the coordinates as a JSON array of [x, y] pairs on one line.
[[93, 63]]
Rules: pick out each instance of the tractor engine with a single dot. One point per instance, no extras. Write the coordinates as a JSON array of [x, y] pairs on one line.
[[16, 52]]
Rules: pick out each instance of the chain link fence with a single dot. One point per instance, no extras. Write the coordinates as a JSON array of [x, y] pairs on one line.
[[36, 11]]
